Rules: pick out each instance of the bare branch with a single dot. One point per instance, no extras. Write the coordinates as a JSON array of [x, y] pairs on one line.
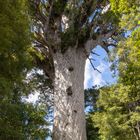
[[93, 65], [95, 53], [92, 59]]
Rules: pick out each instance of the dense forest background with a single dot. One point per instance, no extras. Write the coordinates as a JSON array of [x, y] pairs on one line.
[[114, 112]]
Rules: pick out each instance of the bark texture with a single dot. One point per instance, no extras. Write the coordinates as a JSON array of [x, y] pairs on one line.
[[69, 116]]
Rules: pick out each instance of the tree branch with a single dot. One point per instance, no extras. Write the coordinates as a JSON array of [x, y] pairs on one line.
[[94, 53], [93, 65]]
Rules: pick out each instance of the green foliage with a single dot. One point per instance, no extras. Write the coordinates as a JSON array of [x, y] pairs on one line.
[[59, 6], [18, 120], [91, 96], [35, 126], [128, 11], [68, 39], [92, 131], [117, 115], [14, 39], [113, 120], [123, 6]]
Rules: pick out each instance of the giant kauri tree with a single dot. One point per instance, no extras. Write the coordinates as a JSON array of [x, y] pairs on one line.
[[65, 32]]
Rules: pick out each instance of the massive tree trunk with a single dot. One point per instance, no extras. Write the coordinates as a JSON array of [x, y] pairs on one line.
[[69, 116]]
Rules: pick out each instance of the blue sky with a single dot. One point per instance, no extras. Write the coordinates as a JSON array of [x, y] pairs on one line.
[[93, 77]]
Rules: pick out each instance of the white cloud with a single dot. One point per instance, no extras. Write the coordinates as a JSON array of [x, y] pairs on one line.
[[32, 98], [93, 77], [102, 67], [87, 75]]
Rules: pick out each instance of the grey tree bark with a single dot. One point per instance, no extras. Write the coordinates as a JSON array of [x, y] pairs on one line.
[[69, 116]]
